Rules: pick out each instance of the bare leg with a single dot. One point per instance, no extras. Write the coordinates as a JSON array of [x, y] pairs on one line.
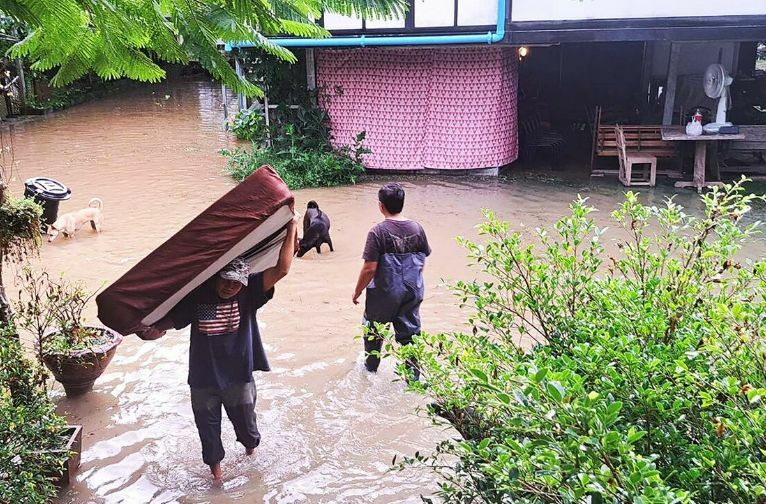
[[217, 473]]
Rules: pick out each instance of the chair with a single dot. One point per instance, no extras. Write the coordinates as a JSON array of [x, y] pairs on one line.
[[629, 177], [536, 134]]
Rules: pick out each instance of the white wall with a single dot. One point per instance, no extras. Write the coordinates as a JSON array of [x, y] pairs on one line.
[[477, 12], [334, 21], [694, 57], [562, 10], [428, 14]]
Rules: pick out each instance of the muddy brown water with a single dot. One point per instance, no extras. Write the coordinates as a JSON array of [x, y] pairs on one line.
[[329, 429]]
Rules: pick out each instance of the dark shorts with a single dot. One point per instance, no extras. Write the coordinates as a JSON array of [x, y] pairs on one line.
[[239, 402]]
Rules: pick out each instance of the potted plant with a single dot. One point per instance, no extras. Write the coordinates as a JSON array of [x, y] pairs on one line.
[[52, 310]]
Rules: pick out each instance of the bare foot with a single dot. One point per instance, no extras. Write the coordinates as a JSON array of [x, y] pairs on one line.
[[249, 451], [217, 473]]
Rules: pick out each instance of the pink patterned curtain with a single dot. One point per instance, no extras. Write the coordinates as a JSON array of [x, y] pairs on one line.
[[443, 108]]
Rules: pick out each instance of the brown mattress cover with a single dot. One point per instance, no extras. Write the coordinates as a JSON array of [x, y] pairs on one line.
[[123, 305]]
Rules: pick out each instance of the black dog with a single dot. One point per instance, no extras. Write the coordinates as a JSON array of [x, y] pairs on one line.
[[316, 230]]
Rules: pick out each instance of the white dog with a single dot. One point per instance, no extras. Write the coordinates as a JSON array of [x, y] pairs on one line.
[[70, 222]]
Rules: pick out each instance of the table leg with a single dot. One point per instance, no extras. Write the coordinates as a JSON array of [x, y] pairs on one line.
[[715, 170], [698, 182], [700, 152]]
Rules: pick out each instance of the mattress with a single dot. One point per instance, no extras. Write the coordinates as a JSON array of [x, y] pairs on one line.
[[248, 221]]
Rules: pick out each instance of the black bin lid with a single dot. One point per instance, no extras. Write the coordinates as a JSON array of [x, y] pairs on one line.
[[48, 188]]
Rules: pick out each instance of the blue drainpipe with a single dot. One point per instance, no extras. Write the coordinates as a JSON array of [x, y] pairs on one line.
[[365, 41]]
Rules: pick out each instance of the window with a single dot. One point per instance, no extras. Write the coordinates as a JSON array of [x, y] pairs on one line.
[[476, 12], [432, 13]]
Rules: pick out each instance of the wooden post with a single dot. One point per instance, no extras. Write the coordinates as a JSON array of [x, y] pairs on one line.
[[594, 143], [700, 151], [646, 74], [311, 76], [22, 85], [225, 102], [267, 118], [241, 99], [670, 91]]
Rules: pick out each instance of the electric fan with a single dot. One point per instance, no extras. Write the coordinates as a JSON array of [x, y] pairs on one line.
[[716, 83]]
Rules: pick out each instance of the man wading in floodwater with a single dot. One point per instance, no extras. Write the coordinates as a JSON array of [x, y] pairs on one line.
[[394, 256], [226, 348]]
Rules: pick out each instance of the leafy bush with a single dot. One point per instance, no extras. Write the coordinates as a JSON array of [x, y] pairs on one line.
[[307, 126], [29, 429], [298, 140], [646, 377], [297, 106], [249, 125], [299, 166], [77, 92], [19, 227]]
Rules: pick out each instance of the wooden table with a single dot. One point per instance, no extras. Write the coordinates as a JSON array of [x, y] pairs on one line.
[[678, 134]]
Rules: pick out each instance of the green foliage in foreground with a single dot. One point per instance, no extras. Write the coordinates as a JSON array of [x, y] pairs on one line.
[[28, 427], [646, 379], [301, 166]]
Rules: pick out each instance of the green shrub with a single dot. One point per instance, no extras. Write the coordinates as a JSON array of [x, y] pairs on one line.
[[646, 377], [299, 166], [19, 227], [28, 427], [298, 140], [249, 125], [297, 107]]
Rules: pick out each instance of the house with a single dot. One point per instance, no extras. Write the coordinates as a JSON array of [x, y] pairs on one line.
[[450, 86]]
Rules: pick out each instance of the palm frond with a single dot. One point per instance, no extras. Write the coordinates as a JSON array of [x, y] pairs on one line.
[[370, 9], [302, 29]]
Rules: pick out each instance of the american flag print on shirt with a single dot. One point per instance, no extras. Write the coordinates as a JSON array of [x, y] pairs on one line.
[[218, 319]]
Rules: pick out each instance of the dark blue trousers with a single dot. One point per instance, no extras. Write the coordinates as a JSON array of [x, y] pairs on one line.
[[239, 402], [394, 297]]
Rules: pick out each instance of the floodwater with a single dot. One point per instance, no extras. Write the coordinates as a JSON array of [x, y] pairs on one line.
[[330, 430]]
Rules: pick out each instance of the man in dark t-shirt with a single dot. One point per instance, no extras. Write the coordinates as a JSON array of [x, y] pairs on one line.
[[392, 274], [226, 348]]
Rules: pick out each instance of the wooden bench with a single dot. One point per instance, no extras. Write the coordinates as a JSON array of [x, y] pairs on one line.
[[644, 139]]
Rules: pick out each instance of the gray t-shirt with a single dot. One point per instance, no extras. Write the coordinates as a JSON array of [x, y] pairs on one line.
[[395, 237]]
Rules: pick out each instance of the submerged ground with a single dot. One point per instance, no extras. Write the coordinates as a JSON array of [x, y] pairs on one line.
[[330, 430]]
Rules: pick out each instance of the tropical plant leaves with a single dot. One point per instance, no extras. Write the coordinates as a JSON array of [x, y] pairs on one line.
[[127, 38]]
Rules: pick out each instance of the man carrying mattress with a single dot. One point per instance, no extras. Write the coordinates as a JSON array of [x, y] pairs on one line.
[[226, 348]]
